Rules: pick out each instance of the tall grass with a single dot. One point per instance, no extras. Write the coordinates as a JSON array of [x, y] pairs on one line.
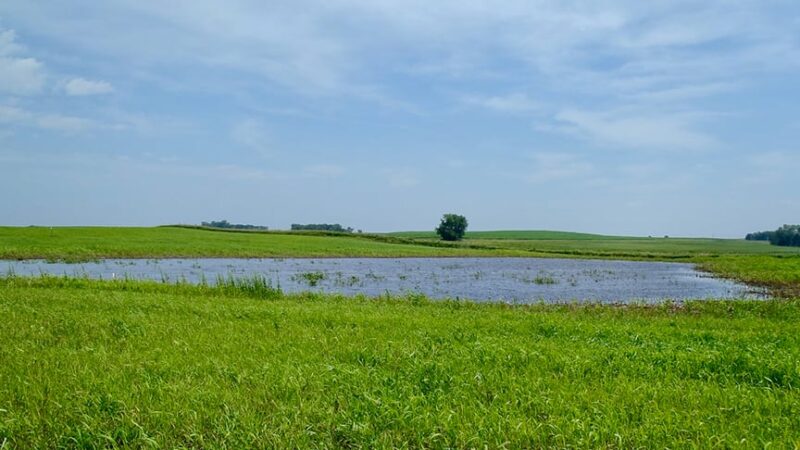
[[255, 286], [117, 364]]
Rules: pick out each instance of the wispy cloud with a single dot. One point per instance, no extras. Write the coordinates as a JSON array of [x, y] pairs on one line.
[[320, 47], [19, 75], [632, 129], [510, 103], [68, 124], [12, 114], [46, 121], [81, 86], [8, 43], [254, 135]]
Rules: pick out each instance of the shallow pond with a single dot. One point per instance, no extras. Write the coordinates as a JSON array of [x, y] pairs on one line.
[[517, 280]]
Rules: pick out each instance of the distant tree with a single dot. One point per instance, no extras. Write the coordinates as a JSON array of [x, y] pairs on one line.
[[232, 226], [452, 227], [322, 227], [787, 235], [759, 236]]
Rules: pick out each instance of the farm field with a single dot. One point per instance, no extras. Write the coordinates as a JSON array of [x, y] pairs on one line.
[[136, 364], [88, 243], [512, 234]]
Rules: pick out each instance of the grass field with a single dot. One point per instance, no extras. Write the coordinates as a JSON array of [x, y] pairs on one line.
[[88, 243], [511, 234], [92, 364]]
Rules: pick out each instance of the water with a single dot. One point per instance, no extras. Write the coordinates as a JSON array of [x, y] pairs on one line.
[[516, 280]]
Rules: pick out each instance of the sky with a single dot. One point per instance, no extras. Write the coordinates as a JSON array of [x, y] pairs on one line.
[[677, 118]]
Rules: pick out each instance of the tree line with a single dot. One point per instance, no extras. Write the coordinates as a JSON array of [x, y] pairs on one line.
[[787, 235], [321, 227], [759, 236], [233, 226]]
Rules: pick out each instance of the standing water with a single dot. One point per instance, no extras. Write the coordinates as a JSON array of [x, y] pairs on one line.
[[517, 280]]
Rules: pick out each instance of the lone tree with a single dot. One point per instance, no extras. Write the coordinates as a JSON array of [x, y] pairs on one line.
[[452, 227]]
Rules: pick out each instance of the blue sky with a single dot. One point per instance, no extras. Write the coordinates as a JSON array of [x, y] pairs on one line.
[[619, 117]]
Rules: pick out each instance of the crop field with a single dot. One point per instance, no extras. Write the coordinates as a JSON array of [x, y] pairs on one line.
[[512, 234], [88, 243], [94, 364]]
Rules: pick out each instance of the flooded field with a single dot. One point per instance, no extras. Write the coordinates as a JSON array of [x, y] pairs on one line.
[[516, 280]]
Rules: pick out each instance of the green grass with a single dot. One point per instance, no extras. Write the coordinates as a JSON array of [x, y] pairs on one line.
[[89, 243], [652, 248], [780, 274], [511, 234], [93, 364]]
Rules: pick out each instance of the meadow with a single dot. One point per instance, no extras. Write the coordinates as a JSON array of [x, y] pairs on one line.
[[113, 364]]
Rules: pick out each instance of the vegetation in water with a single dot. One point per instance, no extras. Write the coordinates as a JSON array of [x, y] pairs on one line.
[[545, 279], [311, 278]]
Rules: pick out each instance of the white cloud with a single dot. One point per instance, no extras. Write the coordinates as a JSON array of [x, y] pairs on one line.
[[320, 47], [8, 44], [18, 75], [81, 86], [637, 129], [68, 124], [253, 135], [12, 114], [53, 122], [684, 93], [511, 103]]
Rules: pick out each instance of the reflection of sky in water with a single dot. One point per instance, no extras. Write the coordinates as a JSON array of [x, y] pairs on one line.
[[484, 279]]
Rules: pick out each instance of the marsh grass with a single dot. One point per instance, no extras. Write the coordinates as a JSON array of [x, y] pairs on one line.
[[545, 280], [311, 278]]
